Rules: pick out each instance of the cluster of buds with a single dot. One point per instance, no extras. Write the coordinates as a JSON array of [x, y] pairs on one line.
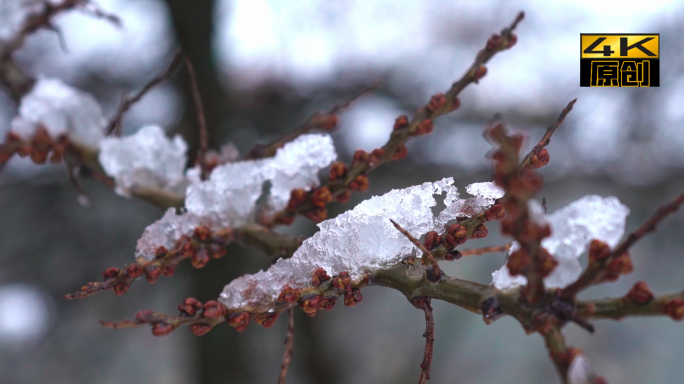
[[494, 42], [40, 148], [455, 235], [201, 247], [640, 294]]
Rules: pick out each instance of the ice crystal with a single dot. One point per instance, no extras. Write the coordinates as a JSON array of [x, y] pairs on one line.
[[167, 230], [485, 195], [572, 229], [61, 110], [356, 241], [145, 159], [230, 194], [581, 371]]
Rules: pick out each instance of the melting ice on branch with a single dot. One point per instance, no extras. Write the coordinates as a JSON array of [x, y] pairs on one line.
[[230, 194], [145, 159], [356, 241], [229, 197], [61, 110], [572, 229]]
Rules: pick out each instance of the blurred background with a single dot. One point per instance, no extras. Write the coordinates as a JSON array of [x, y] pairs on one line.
[[263, 67]]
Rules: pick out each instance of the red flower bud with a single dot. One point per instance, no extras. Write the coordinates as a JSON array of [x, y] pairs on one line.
[[213, 309], [426, 126], [200, 258], [640, 294], [110, 273], [352, 297], [598, 250], [309, 304], [546, 263], [266, 319], [321, 197], [162, 329], [160, 252], [134, 270], [343, 197], [152, 274], [675, 309], [495, 212], [360, 156], [400, 152], [239, 321], [436, 102], [540, 159], [512, 39], [338, 170], [401, 122], [201, 233], [480, 73], [360, 183], [200, 329], [493, 42], [518, 262], [287, 295], [327, 303], [432, 239], [120, 289], [480, 232], [342, 281], [319, 276]]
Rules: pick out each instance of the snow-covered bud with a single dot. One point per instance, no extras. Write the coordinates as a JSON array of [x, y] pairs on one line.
[[640, 294], [160, 252], [338, 170], [401, 122], [352, 297], [266, 319], [239, 321], [319, 276]]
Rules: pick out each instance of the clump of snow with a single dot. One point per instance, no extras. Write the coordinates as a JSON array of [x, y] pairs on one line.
[[61, 110], [356, 241], [581, 371], [230, 194], [166, 231], [145, 159], [485, 195], [487, 190], [572, 229]]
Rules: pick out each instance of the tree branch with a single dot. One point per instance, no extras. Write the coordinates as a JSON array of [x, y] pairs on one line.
[[289, 340], [527, 161], [201, 121], [429, 335], [597, 271]]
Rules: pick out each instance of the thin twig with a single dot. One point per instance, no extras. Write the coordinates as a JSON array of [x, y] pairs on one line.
[[201, 121], [289, 340], [114, 127], [315, 121], [592, 275], [547, 136], [426, 252], [424, 304], [483, 250]]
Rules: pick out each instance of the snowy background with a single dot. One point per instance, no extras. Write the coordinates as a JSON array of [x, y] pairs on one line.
[[264, 66]]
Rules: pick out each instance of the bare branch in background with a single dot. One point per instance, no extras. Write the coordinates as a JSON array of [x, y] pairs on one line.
[[289, 341]]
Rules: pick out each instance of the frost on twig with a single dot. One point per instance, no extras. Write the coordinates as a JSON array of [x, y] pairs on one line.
[[358, 241], [62, 111], [572, 229], [145, 159]]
